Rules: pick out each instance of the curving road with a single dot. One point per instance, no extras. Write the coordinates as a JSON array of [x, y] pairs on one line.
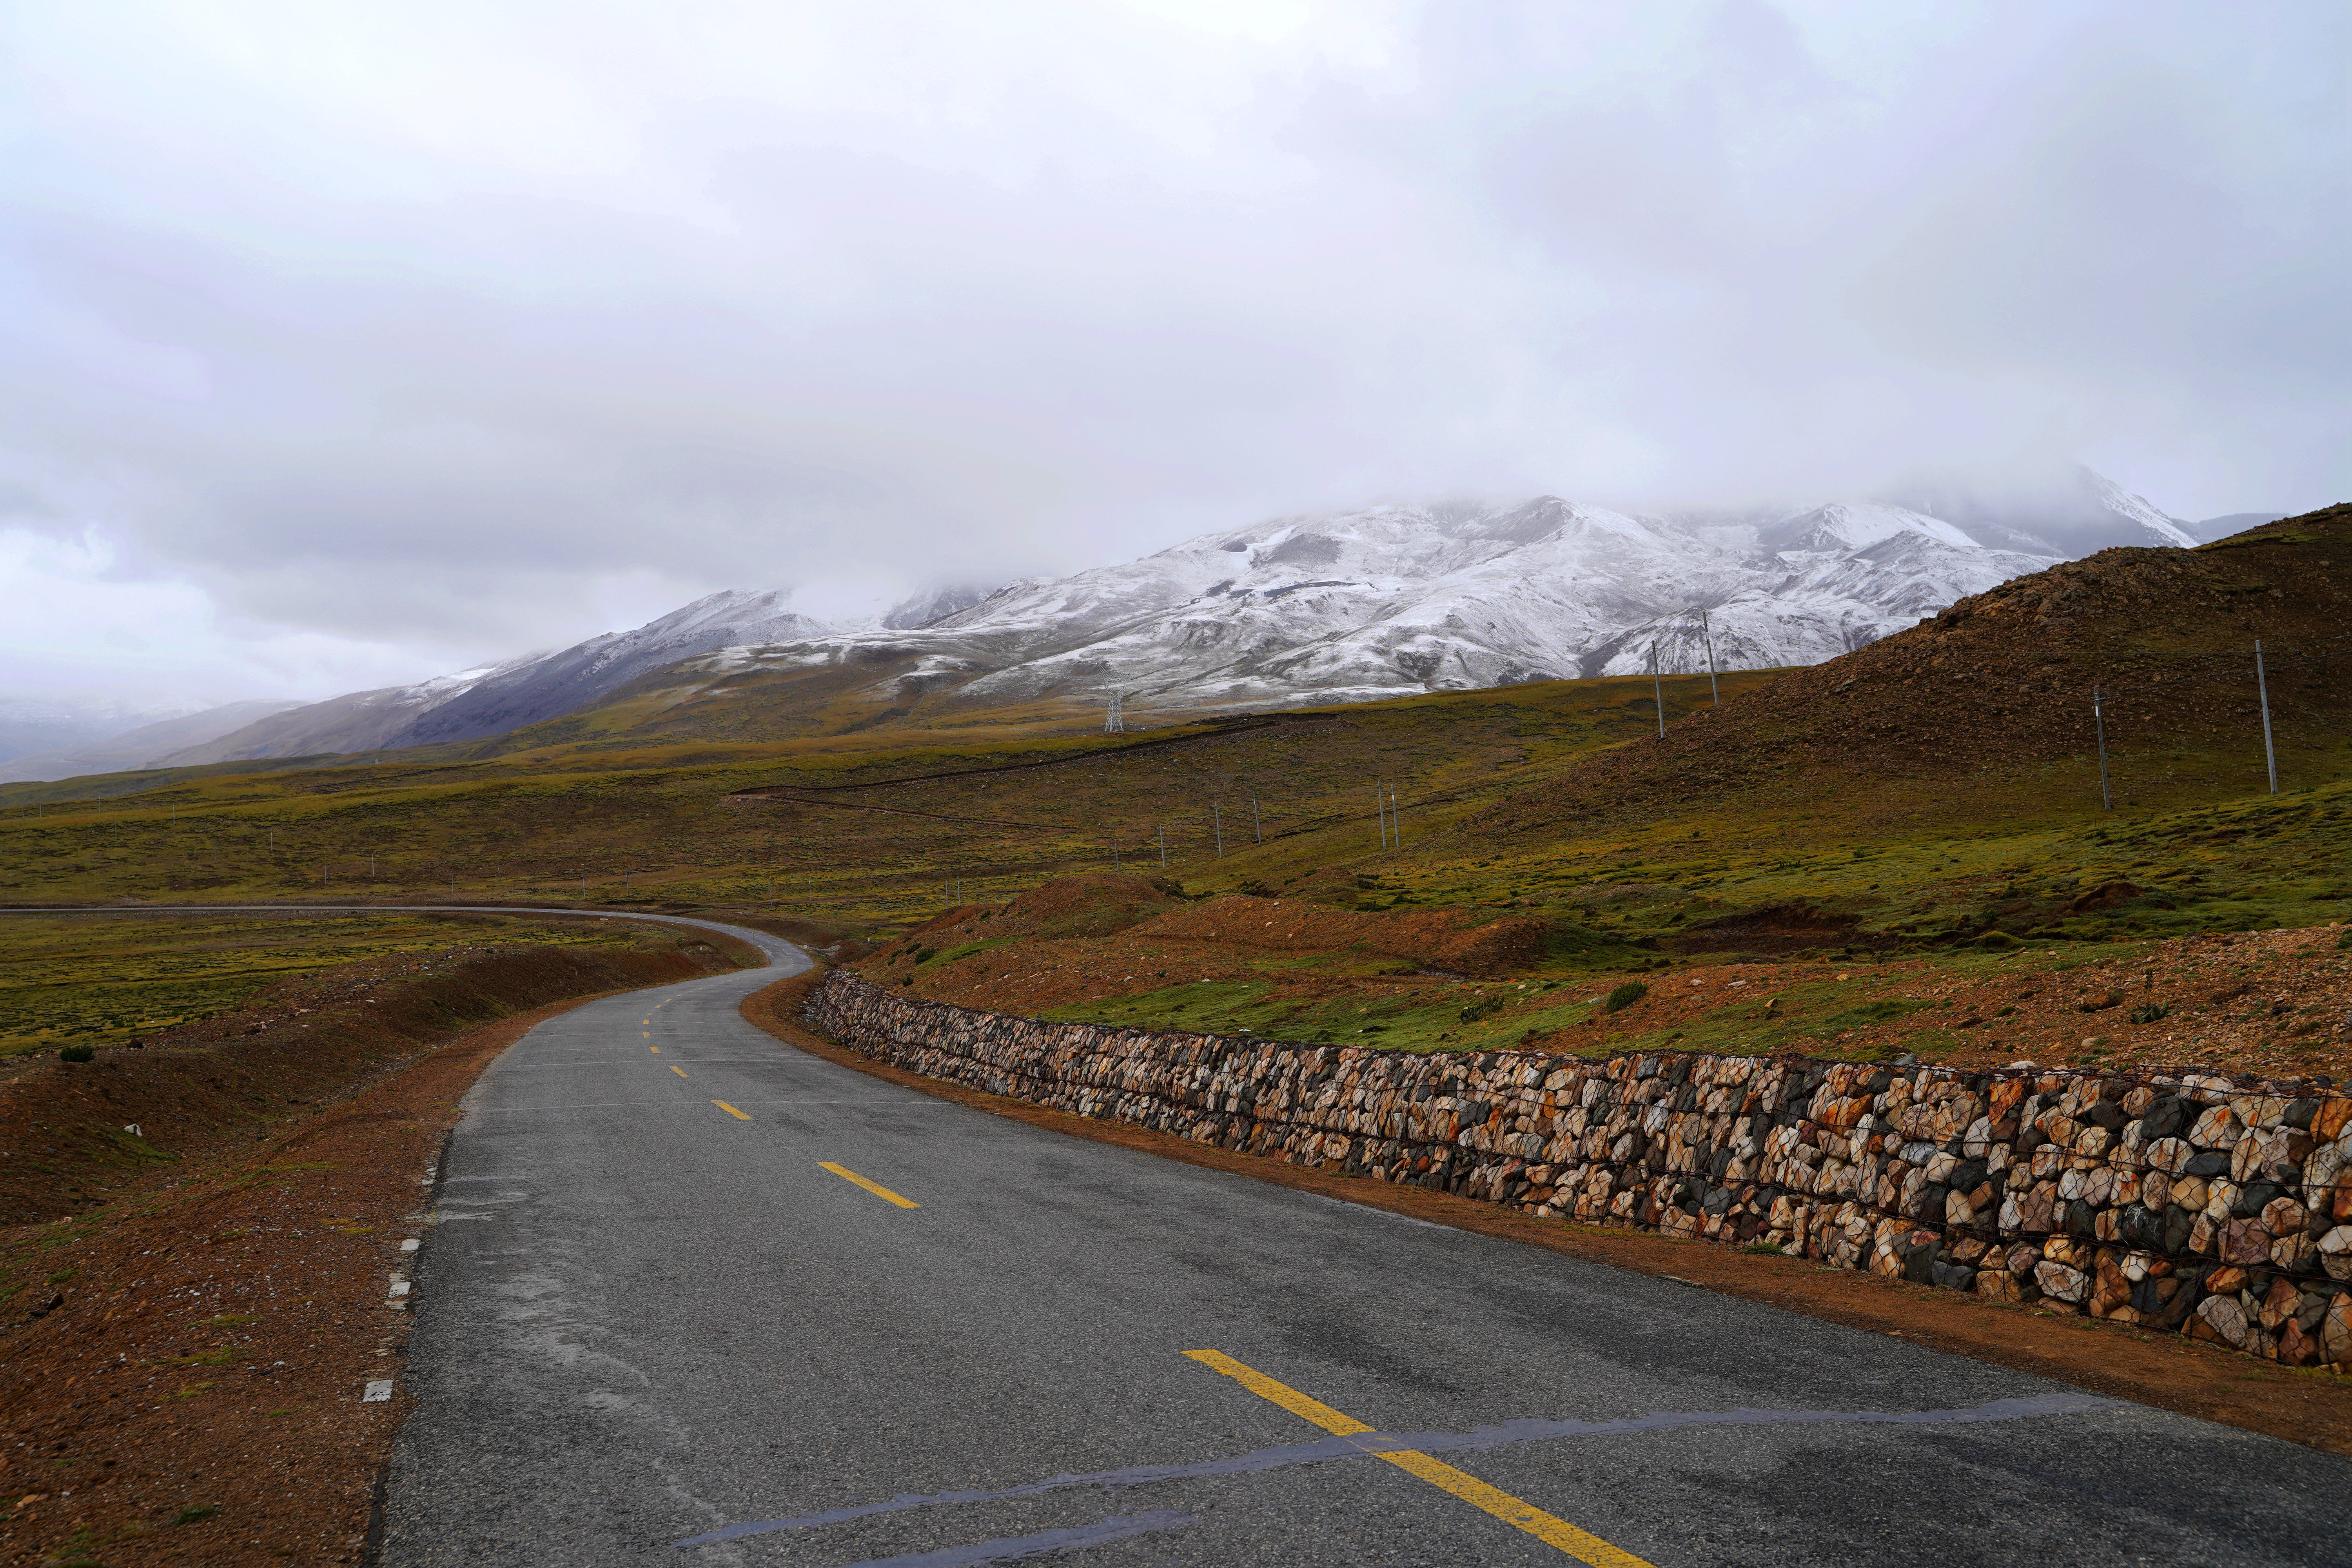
[[691, 1296], [696, 1298]]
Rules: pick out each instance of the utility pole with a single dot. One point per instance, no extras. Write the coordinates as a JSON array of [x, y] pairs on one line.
[[1658, 688], [2099, 722], [1396, 828], [2262, 686], [1380, 810], [1163, 846], [1256, 825], [1708, 635], [1217, 818]]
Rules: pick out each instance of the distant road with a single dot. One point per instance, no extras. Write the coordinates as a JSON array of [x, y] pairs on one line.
[[695, 1296]]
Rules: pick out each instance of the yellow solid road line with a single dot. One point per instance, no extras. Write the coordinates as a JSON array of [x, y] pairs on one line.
[[677, 1070], [876, 1188], [723, 1104], [1578, 1543]]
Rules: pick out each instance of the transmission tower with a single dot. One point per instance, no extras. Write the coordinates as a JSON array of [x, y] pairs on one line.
[[1115, 721]]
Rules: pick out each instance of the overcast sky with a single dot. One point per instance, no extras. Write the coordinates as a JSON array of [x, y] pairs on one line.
[[342, 344]]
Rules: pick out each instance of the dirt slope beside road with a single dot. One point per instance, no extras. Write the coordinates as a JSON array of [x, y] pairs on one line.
[[65, 1127], [190, 1390], [185, 1364]]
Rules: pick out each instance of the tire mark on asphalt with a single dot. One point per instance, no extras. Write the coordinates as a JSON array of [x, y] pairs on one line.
[[1371, 1444]]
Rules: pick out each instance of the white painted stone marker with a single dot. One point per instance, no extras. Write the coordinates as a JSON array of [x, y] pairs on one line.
[[408, 1246], [378, 1391]]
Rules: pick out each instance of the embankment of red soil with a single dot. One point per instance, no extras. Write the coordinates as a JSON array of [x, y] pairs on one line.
[[65, 1138], [1465, 941], [1139, 911], [184, 1366]]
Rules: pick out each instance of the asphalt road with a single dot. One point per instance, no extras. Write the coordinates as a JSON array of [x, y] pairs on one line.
[[656, 1325]]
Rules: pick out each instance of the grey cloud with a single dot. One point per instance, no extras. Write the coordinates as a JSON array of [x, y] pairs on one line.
[[996, 303]]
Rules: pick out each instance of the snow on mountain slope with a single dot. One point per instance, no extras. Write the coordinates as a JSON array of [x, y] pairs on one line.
[[930, 608], [355, 721], [2065, 512], [1376, 602], [1396, 600], [497, 698], [1831, 607], [568, 680], [1839, 528]]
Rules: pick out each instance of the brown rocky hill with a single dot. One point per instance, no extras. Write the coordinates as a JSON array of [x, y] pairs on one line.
[[2002, 685]]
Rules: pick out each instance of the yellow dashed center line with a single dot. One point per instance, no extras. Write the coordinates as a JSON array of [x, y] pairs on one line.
[[677, 1070], [656, 1050], [723, 1104], [876, 1188], [1582, 1544]]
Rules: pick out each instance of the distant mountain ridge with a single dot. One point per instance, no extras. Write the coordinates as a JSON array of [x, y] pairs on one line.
[[30, 725], [495, 699], [2067, 515], [1356, 605], [142, 746]]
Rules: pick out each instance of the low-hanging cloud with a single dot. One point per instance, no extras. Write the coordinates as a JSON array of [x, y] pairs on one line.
[[368, 341]]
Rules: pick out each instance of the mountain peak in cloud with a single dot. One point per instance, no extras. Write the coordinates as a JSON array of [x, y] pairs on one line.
[[2065, 510]]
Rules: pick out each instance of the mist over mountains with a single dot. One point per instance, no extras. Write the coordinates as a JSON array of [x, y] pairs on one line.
[[63, 738], [1357, 605]]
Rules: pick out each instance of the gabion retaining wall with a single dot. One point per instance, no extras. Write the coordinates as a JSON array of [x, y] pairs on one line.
[[2184, 1202]]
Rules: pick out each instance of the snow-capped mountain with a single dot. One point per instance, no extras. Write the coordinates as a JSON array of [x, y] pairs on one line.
[[497, 698], [1377, 602], [1830, 606], [355, 721], [1394, 599], [930, 608]]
